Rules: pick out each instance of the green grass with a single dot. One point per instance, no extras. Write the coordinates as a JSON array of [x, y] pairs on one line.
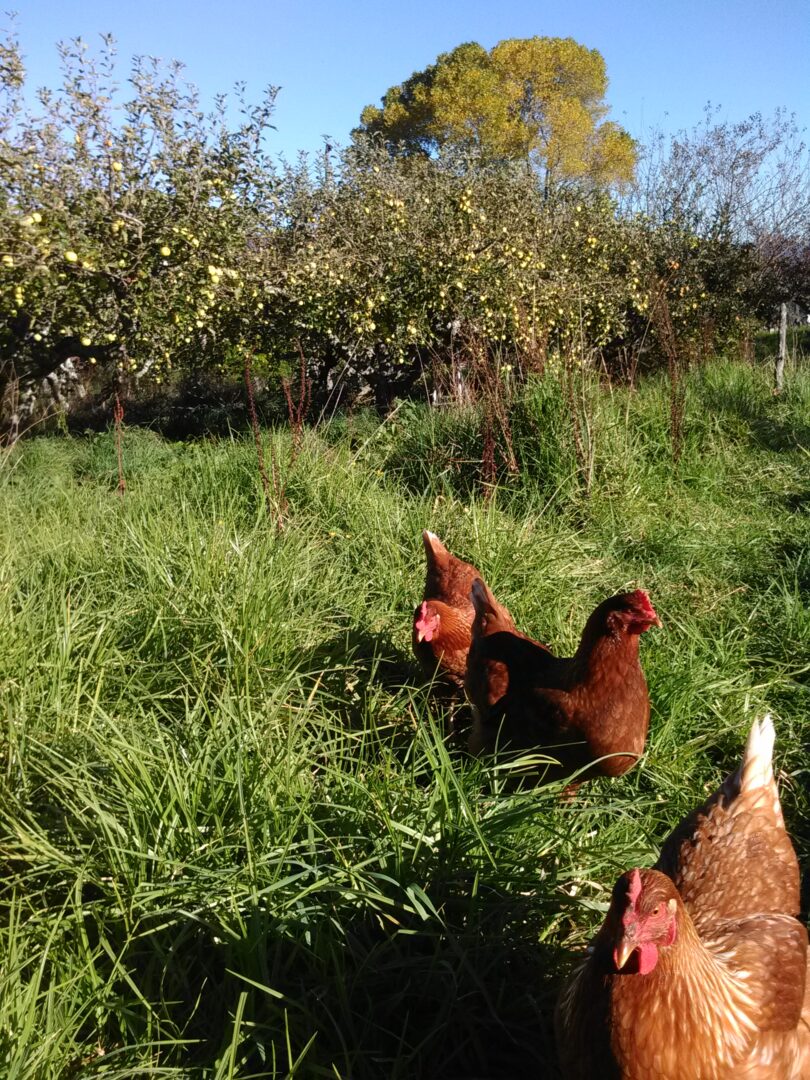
[[766, 344], [235, 841]]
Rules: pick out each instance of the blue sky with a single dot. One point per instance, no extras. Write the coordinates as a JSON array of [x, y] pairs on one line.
[[664, 60]]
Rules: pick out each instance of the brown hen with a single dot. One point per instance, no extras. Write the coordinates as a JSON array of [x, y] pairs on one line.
[[588, 712], [699, 971], [443, 621]]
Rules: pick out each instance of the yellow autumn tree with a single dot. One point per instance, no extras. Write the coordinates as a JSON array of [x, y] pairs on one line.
[[537, 99]]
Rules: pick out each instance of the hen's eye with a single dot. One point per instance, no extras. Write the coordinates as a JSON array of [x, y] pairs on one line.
[[656, 910]]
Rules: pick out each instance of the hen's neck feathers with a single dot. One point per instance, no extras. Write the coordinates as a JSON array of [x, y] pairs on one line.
[[454, 625], [711, 1015], [603, 670], [599, 648]]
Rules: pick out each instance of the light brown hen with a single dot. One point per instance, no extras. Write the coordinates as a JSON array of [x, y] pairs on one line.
[[443, 621], [699, 971]]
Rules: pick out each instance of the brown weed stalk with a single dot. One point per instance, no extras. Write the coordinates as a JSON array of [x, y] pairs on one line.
[[118, 418], [490, 390], [297, 410]]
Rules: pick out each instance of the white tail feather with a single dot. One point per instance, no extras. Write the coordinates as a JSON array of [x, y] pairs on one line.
[[756, 770], [433, 545]]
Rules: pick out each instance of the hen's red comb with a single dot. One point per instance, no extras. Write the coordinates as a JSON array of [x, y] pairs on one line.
[[642, 601], [634, 891]]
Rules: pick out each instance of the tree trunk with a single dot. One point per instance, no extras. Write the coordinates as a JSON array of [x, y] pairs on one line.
[[780, 360]]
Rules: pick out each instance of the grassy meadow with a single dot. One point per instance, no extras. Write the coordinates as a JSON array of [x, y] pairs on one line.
[[235, 840]]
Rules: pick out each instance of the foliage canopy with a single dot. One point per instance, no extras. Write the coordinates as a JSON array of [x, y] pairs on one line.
[[537, 99], [146, 242]]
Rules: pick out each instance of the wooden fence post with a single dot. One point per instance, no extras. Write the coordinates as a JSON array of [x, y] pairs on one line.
[[780, 360]]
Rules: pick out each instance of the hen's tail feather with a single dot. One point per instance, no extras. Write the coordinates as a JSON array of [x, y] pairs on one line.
[[481, 598], [434, 548], [755, 773], [756, 770], [490, 616]]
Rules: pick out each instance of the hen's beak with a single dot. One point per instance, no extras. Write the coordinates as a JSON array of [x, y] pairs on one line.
[[623, 951], [657, 622], [420, 635]]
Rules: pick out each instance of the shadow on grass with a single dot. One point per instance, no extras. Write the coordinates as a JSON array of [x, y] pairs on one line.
[[369, 681], [798, 501], [466, 997], [767, 428], [360, 651]]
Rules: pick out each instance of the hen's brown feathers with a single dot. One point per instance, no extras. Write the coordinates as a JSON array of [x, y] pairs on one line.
[[487, 676], [448, 578], [591, 706], [448, 646], [726, 993], [447, 607], [732, 855]]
